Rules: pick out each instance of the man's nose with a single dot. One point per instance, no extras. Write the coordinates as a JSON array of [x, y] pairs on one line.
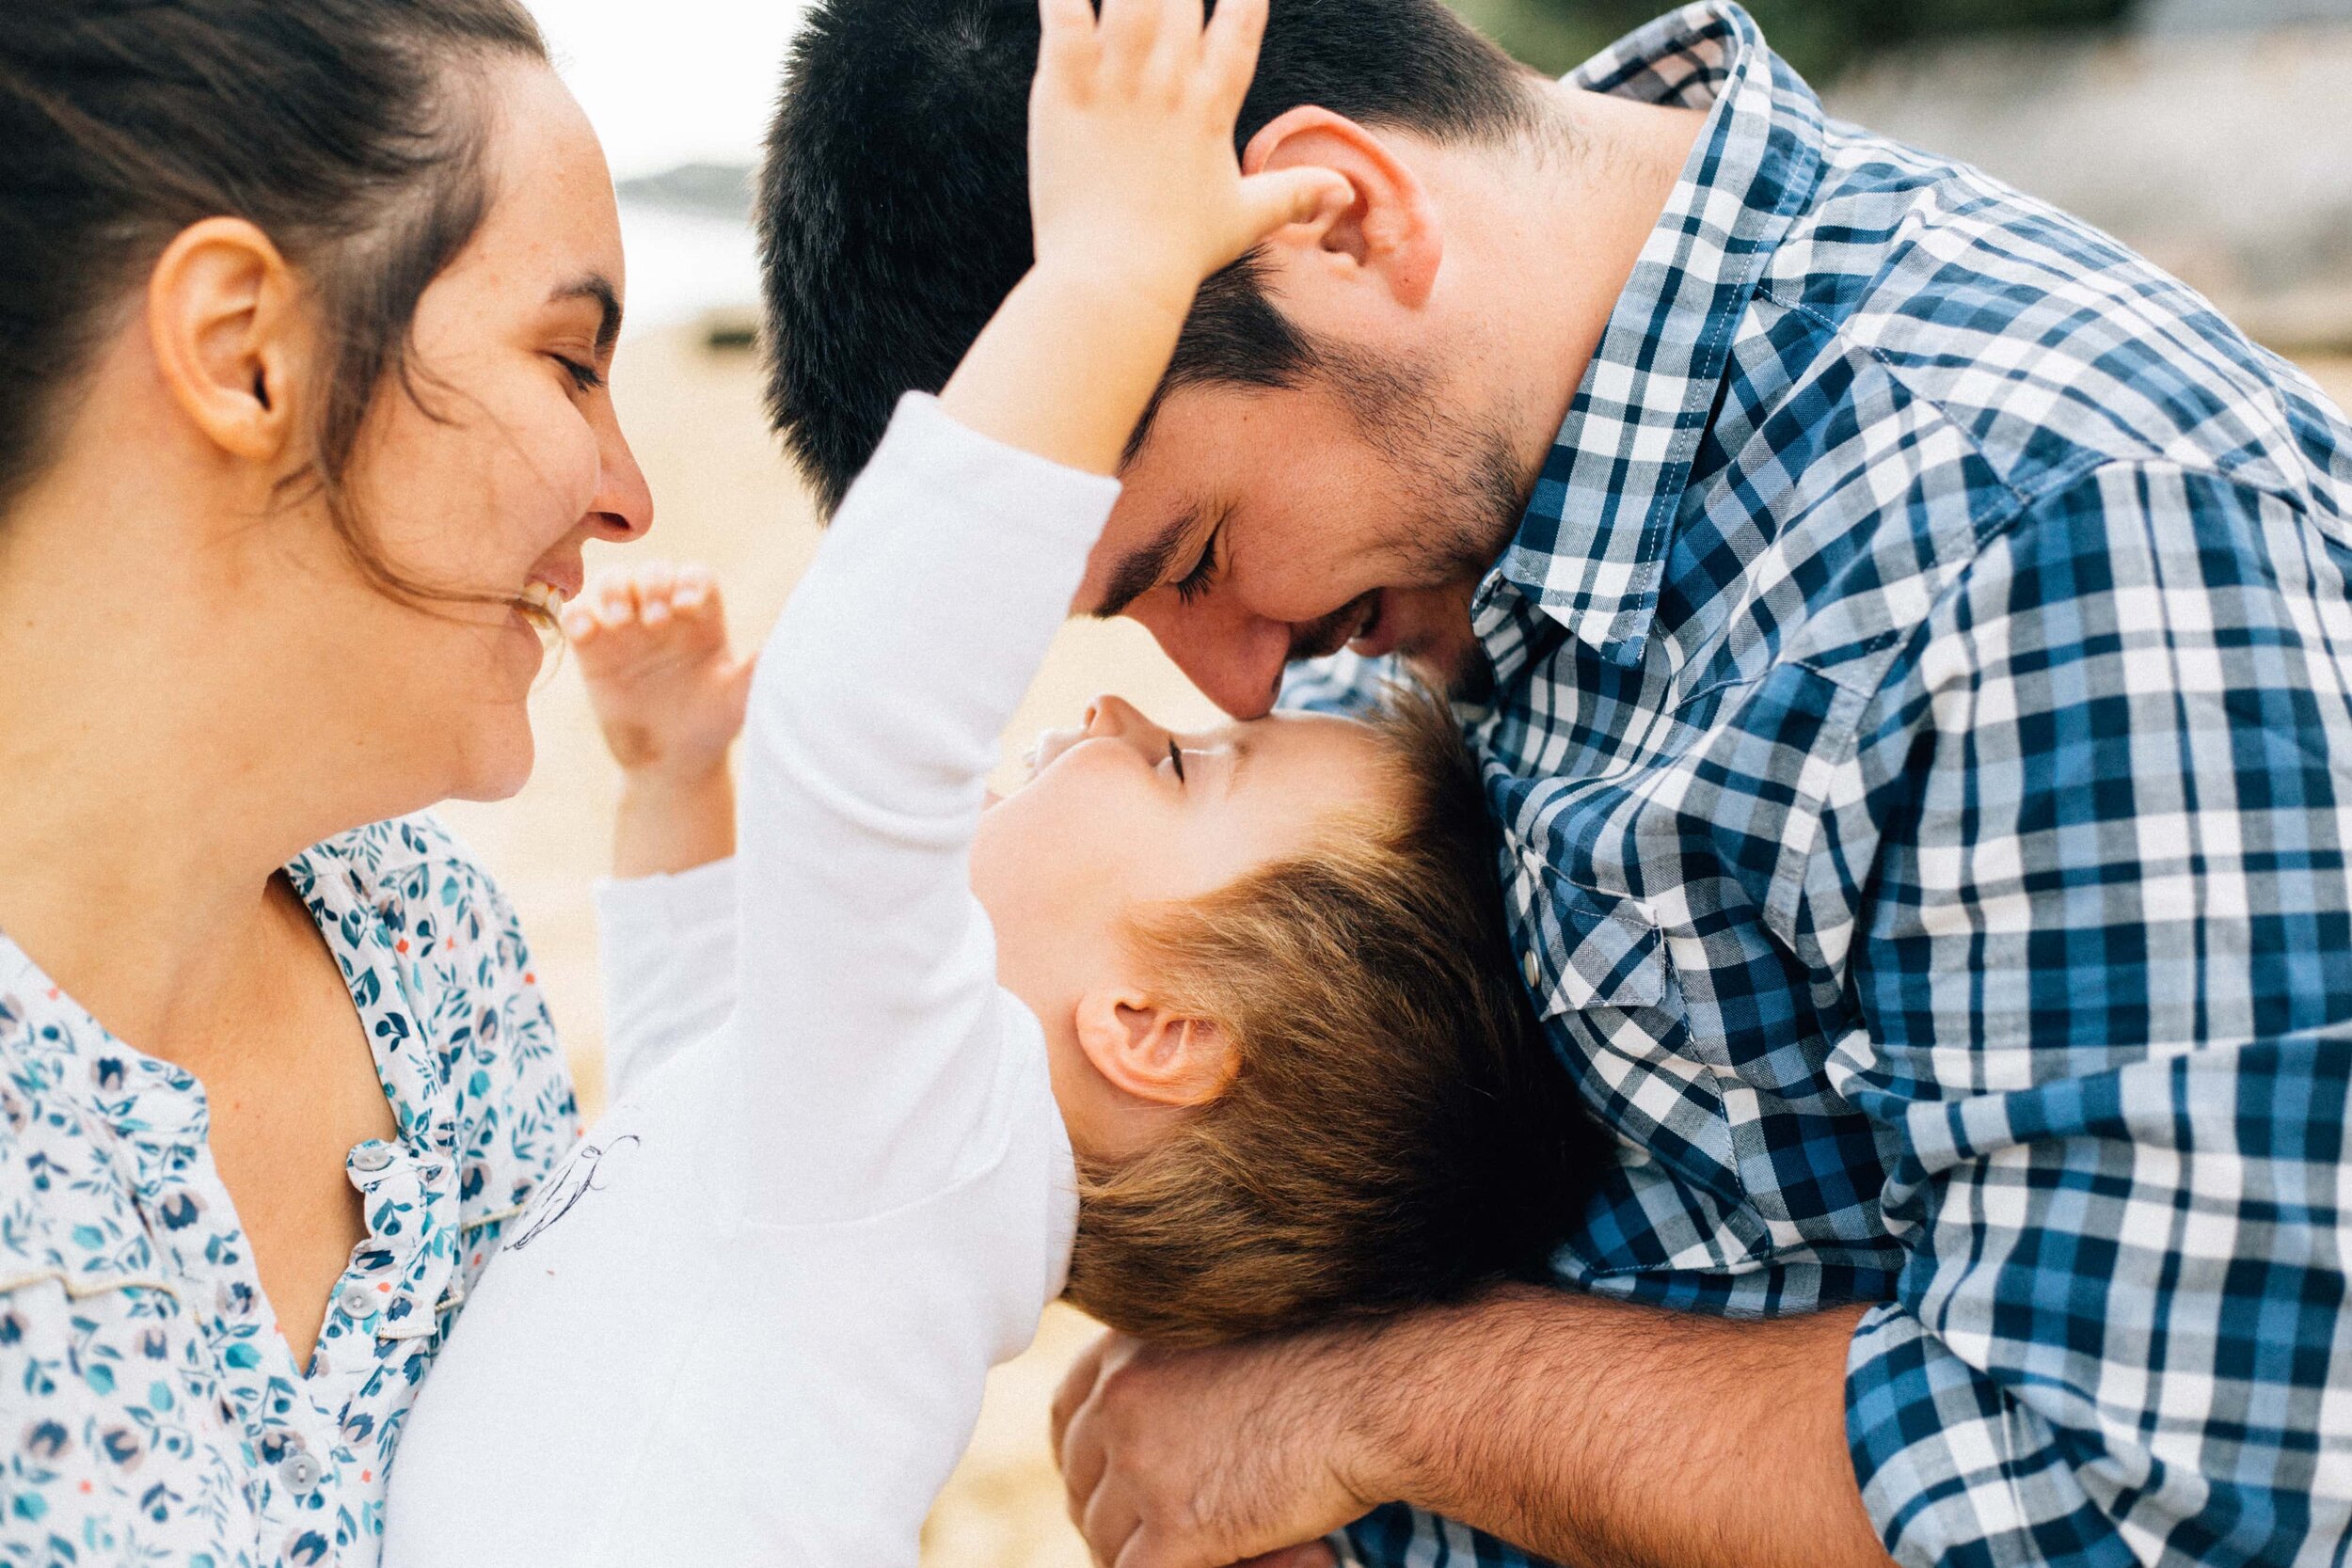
[[1239, 667]]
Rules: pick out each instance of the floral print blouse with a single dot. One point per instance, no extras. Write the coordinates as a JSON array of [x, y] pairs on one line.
[[150, 1410]]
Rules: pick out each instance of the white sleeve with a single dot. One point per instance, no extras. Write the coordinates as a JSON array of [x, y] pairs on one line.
[[869, 1019], [665, 957]]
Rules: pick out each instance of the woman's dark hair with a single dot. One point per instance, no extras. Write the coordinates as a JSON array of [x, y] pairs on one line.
[[351, 132], [894, 209]]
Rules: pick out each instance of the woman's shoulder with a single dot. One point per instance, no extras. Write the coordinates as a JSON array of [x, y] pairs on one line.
[[410, 880], [466, 988], [406, 862]]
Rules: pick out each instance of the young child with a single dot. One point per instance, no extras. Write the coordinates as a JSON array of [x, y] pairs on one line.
[[1235, 1008]]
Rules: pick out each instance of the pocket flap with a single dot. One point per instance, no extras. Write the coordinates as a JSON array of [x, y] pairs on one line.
[[1594, 950]]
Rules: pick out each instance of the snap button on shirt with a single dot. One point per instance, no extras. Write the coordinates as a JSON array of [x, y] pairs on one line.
[[357, 1301], [371, 1157]]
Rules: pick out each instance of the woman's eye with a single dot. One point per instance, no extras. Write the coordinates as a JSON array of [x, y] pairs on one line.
[[1176, 760], [586, 377]]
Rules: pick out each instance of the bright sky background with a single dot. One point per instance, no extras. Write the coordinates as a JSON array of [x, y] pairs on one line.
[[671, 81]]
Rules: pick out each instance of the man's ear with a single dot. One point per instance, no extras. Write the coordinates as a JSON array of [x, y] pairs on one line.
[[225, 323], [1389, 233], [1151, 1052]]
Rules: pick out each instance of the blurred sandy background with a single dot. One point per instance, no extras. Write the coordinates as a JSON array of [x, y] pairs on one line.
[[725, 497]]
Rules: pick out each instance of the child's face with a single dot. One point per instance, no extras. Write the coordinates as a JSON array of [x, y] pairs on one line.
[[1110, 822]]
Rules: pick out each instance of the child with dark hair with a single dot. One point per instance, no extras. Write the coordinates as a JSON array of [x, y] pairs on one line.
[[1217, 1032]]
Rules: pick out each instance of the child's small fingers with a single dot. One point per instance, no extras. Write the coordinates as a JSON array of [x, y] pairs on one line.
[[1176, 50], [696, 588], [1287, 195], [1125, 34], [656, 581], [1230, 48], [1065, 32], [616, 601], [579, 623]]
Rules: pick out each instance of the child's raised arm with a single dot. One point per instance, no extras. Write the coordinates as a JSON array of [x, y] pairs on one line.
[[1136, 196], [868, 997]]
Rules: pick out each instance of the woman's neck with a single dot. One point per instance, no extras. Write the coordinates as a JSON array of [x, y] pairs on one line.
[[150, 797]]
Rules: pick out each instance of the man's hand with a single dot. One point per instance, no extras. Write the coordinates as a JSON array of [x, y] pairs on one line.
[[1580, 1430], [1201, 1459]]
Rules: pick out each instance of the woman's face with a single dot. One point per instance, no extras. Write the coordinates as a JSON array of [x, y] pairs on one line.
[[512, 464]]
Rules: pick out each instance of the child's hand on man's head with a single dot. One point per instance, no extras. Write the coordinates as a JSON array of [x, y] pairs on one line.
[[1136, 196], [1133, 177], [652, 643]]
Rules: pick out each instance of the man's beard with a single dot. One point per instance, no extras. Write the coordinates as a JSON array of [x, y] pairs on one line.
[[1459, 476]]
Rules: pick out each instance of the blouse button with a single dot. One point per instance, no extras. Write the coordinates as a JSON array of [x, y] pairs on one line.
[[357, 1301], [372, 1157], [300, 1473], [1534, 971]]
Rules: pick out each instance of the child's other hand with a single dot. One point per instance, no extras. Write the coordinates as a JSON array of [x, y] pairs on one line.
[[1133, 180], [652, 643]]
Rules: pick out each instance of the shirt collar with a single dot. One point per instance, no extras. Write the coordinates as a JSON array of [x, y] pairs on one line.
[[1592, 544]]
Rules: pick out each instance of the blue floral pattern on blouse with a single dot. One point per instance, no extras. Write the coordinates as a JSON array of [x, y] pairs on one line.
[[150, 1411]]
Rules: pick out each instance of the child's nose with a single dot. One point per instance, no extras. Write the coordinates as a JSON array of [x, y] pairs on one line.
[[1109, 715]]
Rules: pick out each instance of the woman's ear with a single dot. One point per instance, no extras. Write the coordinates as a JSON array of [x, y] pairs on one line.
[[1154, 1053], [1388, 234], [225, 323]]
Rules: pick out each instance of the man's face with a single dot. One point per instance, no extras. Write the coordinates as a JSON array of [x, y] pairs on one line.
[[1258, 527]]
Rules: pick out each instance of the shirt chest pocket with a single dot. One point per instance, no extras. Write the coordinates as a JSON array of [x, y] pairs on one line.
[[1581, 948], [1598, 970]]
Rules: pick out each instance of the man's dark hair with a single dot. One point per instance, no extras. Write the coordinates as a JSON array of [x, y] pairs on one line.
[[894, 210]]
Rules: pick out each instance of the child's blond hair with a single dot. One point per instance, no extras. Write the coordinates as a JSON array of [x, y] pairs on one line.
[[1396, 1129]]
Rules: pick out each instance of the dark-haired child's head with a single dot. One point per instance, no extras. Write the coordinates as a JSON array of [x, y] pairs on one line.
[[1288, 1035]]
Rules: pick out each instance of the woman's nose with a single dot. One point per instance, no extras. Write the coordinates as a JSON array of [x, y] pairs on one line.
[[623, 508]]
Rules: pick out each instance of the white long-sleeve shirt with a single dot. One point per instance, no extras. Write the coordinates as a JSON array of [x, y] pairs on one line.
[[749, 1319]]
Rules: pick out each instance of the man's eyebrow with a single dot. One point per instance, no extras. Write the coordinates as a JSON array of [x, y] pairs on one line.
[[1143, 569], [1242, 751], [599, 288]]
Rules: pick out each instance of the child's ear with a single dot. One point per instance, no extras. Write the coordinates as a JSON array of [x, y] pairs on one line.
[[1152, 1053]]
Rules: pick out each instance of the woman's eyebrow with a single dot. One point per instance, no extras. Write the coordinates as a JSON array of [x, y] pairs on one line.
[[596, 286]]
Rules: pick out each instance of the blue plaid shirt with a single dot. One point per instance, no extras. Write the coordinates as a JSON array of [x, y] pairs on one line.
[[1923, 736]]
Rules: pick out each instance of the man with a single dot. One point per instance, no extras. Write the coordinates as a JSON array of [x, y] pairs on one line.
[[1910, 642]]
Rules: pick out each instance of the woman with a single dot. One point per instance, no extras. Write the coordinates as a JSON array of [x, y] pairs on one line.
[[305, 315]]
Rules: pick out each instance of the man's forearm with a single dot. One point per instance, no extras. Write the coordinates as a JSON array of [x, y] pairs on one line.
[[1599, 1433]]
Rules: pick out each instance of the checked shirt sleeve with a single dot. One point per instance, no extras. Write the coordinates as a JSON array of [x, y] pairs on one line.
[[2100, 814]]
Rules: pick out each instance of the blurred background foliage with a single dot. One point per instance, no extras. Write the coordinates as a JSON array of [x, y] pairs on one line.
[[1820, 38]]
